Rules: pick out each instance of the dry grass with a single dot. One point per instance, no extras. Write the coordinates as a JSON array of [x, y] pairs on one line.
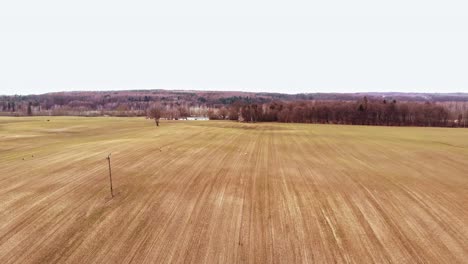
[[223, 192]]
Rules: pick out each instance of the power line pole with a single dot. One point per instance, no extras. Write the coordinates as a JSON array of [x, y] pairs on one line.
[[110, 175]]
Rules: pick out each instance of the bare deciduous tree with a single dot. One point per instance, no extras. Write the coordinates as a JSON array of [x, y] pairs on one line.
[[29, 109], [223, 112], [156, 112]]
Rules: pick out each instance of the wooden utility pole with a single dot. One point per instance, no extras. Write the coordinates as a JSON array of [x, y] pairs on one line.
[[110, 175]]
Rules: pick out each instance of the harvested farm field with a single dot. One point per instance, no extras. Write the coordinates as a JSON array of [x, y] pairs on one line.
[[229, 192]]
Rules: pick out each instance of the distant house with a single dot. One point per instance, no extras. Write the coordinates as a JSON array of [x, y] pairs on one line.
[[197, 118]]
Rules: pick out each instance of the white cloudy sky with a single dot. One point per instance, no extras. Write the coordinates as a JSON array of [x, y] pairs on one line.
[[255, 45]]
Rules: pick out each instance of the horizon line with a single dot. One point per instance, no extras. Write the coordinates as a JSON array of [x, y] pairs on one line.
[[230, 91]]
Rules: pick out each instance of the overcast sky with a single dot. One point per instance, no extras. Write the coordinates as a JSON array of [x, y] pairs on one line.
[[267, 45]]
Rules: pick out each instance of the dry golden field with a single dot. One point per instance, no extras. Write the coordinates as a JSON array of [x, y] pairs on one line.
[[227, 192]]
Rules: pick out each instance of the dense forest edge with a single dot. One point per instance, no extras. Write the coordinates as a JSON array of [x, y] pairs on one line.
[[390, 109]]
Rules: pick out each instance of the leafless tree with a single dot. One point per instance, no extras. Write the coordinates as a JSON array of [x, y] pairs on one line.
[[223, 112], [156, 112]]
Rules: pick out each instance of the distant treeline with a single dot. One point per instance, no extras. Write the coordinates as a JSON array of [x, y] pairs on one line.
[[394, 109], [362, 112]]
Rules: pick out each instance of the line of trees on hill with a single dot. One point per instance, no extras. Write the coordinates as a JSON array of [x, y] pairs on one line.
[[259, 108]]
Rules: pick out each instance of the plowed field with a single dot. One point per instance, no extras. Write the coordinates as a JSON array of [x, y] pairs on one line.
[[228, 192]]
